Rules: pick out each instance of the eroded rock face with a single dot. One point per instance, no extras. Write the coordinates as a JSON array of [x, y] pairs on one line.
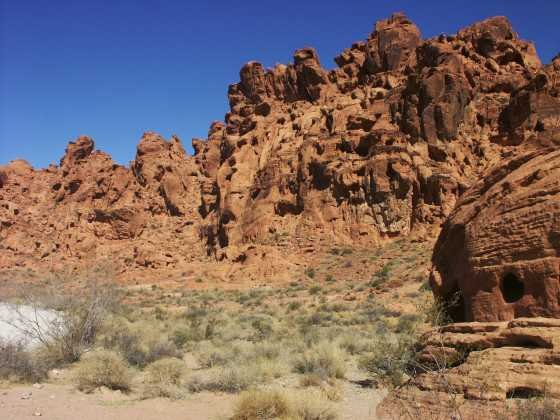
[[471, 368], [374, 149], [381, 146], [90, 209], [500, 248]]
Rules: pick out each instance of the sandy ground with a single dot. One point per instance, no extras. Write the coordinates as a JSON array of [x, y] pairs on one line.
[[63, 402]]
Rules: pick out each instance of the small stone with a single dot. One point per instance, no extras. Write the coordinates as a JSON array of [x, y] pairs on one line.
[[37, 414]]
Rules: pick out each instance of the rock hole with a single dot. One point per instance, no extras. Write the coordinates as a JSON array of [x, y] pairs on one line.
[[524, 392], [321, 178], [73, 186], [512, 288], [530, 343], [227, 216]]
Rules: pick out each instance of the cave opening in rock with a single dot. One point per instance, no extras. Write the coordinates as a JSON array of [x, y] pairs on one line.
[[524, 392], [512, 288]]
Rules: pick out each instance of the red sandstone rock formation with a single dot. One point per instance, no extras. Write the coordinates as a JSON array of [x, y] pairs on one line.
[[500, 248], [469, 369], [381, 146]]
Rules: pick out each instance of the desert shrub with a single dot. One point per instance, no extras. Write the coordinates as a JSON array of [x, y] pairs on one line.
[[311, 406], [210, 355], [323, 359], [102, 368], [140, 343], [19, 364], [237, 377], [313, 290], [262, 405], [390, 359], [180, 337], [294, 305], [76, 317], [328, 387], [354, 344], [265, 350], [437, 312], [164, 378], [283, 405], [382, 275], [223, 379], [310, 272], [263, 328], [335, 251], [407, 323], [318, 318]]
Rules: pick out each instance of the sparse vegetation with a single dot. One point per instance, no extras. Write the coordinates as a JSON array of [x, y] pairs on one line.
[[311, 335]]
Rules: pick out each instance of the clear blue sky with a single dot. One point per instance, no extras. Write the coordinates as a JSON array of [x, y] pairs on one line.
[[113, 69]]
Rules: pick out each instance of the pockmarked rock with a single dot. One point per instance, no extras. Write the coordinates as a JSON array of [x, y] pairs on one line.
[[382, 146]]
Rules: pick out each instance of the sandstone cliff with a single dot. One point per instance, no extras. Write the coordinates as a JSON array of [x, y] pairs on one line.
[[379, 147]]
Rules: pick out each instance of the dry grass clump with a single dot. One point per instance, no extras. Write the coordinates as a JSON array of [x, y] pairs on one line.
[[261, 405], [237, 377], [390, 358], [140, 343], [329, 387], [283, 405], [223, 379], [324, 359], [164, 378], [354, 344], [102, 368]]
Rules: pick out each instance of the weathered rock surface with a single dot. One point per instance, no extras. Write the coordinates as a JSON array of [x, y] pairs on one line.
[[90, 209], [381, 146], [500, 248], [472, 368]]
